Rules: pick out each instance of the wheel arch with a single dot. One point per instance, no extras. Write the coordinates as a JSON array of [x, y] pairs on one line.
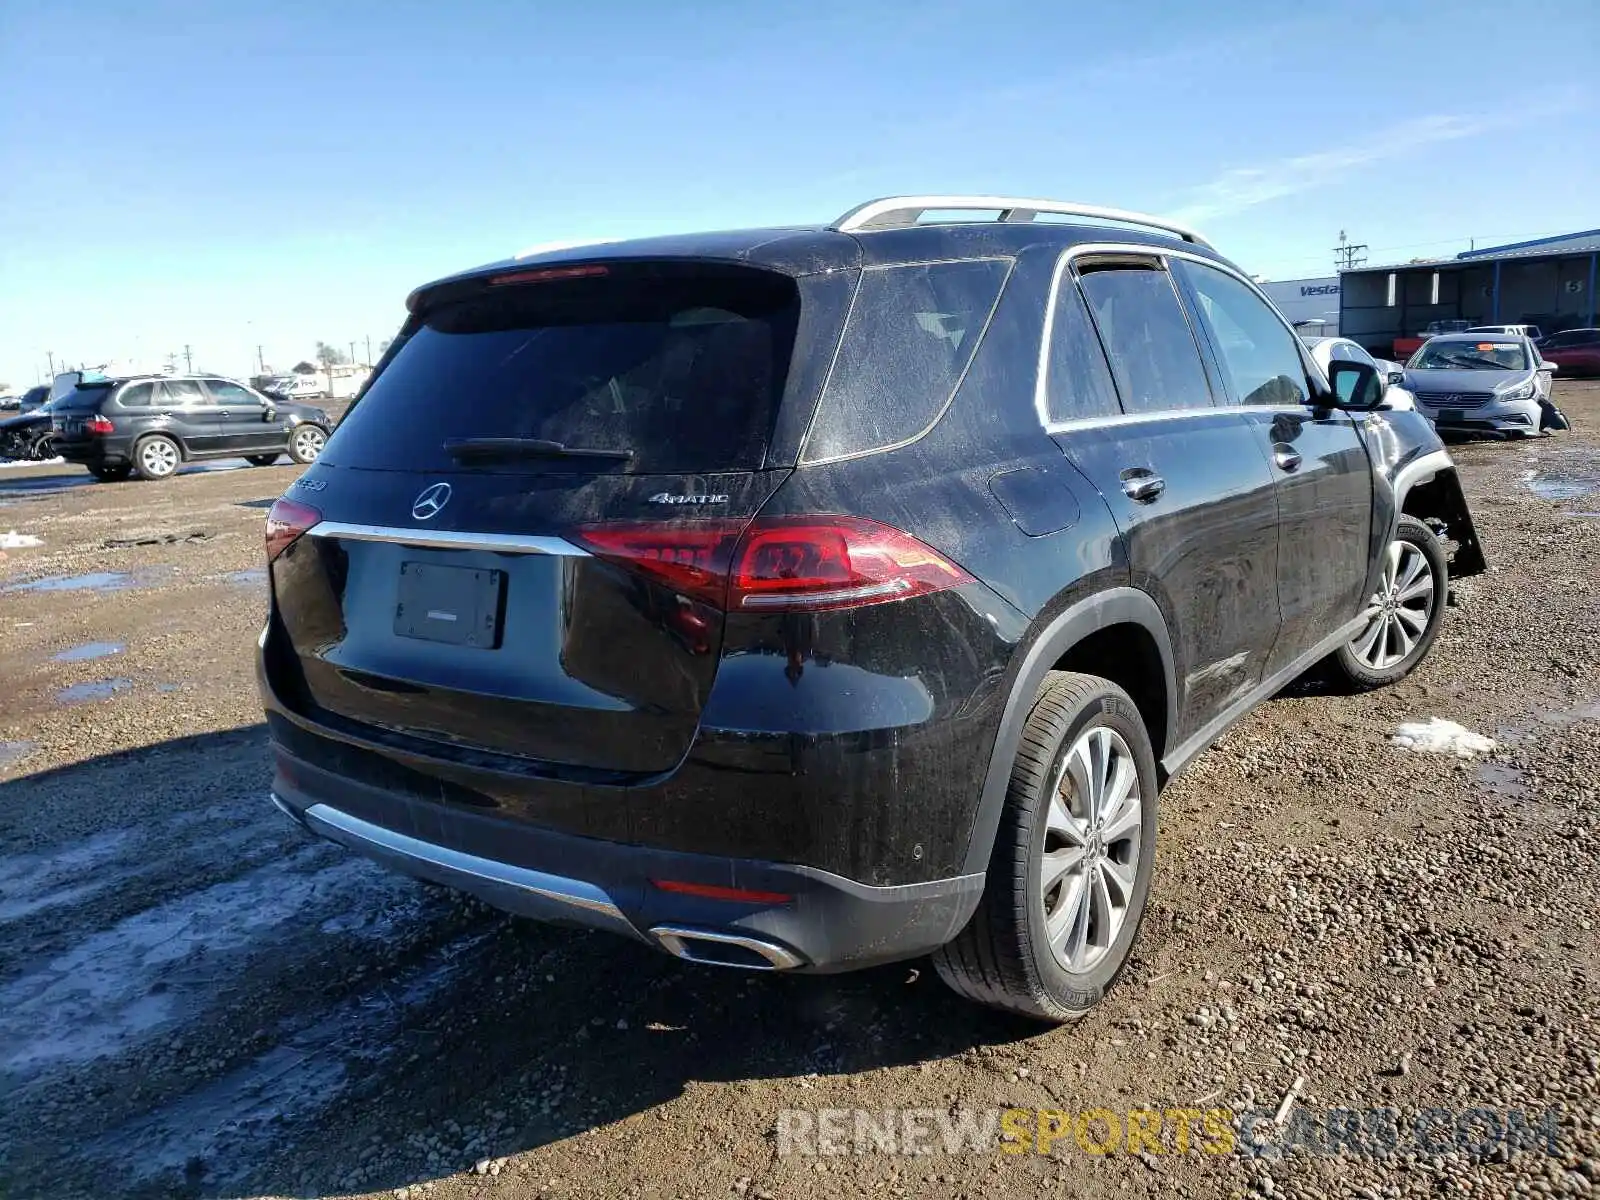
[[1118, 634], [1430, 490]]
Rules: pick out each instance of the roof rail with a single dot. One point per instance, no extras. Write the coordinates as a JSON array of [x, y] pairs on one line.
[[893, 212]]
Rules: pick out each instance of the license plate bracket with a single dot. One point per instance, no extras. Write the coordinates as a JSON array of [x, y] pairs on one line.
[[1450, 414], [459, 606]]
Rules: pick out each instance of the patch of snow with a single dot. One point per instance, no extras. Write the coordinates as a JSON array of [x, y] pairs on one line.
[[1438, 736], [30, 462], [17, 541]]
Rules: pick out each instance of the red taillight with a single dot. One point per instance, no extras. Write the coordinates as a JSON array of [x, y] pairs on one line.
[[710, 891], [547, 275], [777, 564], [98, 424], [286, 521]]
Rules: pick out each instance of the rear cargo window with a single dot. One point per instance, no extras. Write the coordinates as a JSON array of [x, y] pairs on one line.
[[136, 395], [912, 331], [684, 367]]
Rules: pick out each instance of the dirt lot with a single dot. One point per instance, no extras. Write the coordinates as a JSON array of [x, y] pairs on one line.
[[197, 999]]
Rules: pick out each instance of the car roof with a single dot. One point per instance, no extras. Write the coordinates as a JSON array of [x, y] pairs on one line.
[[810, 250], [1469, 336]]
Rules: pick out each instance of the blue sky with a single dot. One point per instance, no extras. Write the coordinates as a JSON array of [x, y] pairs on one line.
[[230, 174]]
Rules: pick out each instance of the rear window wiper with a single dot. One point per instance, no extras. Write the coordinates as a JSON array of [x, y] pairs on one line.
[[484, 449]]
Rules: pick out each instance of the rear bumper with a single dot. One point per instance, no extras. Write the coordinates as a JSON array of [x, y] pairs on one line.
[[97, 452], [824, 923]]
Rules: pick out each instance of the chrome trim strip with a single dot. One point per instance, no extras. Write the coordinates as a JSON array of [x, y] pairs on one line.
[[448, 539], [673, 937], [587, 903], [890, 212]]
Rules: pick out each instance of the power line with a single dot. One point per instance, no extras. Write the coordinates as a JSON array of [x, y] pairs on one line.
[[1348, 254]]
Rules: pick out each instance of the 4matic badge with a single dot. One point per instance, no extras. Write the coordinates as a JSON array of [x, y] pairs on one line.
[[689, 498]]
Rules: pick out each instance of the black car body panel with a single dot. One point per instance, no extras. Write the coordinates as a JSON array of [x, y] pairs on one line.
[[208, 417], [616, 725]]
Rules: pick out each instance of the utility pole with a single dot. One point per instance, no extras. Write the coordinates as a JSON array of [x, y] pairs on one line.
[[51, 354], [188, 360], [352, 354], [368, 363], [1348, 254], [261, 361]]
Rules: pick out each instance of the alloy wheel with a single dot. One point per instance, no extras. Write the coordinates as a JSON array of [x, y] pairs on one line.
[[158, 457], [308, 443], [1091, 848], [1399, 610]]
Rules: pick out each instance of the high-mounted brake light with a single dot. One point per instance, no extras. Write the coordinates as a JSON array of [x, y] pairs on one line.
[[547, 275], [778, 564], [286, 522]]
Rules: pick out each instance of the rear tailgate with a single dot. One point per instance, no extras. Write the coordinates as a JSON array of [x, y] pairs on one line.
[[477, 601]]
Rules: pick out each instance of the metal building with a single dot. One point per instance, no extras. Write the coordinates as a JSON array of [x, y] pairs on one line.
[[1549, 282]]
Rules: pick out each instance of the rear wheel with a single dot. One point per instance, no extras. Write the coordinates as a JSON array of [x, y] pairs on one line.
[[261, 460], [43, 448], [1403, 614], [156, 457], [306, 442], [1070, 871]]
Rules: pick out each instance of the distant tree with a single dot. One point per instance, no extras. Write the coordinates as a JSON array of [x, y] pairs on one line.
[[331, 356], [304, 368]]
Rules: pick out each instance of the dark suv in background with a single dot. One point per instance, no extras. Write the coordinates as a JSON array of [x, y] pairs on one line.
[[150, 425], [813, 598]]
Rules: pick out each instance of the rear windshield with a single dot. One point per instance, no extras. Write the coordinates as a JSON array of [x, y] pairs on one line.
[[682, 366], [84, 396]]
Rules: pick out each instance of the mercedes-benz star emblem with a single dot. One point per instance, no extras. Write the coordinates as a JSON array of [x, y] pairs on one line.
[[427, 505]]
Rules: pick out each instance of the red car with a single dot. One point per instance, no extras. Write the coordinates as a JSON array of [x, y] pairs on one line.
[[1575, 351]]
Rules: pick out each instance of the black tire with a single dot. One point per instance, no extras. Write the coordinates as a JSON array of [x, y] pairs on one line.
[[111, 474], [1358, 671], [1004, 957], [156, 456], [306, 442], [261, 460], [43, 448]]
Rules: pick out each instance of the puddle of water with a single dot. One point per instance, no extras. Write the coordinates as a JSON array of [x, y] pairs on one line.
[[1502, 780], [124, 982], [1581, 514], [11, 752], [1565, 481], [169, 688], [95, 581], [88, 651], [249, 577], [98, 689]]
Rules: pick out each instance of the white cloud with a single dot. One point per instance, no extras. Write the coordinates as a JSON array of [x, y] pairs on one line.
[[1241, 188]]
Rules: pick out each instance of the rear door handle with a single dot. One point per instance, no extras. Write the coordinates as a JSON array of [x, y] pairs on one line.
[[1287, 458], [1142, 485]]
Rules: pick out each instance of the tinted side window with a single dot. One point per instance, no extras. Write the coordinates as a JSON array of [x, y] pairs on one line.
[[182, 393], [1260, 357], [911, 333], [1147, 337], [137, 395], [1077, 379], [224, 392]]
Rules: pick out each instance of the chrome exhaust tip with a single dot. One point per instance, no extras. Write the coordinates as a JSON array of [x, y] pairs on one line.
[[713, 948]]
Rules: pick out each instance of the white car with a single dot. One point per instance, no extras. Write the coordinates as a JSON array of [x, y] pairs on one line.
[[303, 387], [1337, 349], [1532, 332]]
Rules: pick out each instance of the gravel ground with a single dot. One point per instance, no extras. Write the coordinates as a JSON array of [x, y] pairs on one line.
[[198, 1000]]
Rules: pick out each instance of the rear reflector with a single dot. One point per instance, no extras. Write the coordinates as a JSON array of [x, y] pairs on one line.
[[711, 891], [547, 275], [287, 521], [778, 564]]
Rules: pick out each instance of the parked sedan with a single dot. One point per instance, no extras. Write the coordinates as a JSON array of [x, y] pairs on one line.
[[1329, 350], [1478, 383], [1575, 351], [27, 436]]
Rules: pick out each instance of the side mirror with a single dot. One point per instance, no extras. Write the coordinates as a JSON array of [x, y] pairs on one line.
[[1547, 365], [1356, 386], [269, 413]]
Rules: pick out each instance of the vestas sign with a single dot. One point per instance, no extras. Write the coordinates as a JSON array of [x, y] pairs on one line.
[[1321, 289]]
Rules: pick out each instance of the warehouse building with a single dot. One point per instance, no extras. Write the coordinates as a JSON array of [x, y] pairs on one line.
[[1310, 305], [1549, 282]]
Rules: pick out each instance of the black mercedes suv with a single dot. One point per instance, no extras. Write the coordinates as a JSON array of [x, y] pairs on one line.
[[149, 425], [802, 599]]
